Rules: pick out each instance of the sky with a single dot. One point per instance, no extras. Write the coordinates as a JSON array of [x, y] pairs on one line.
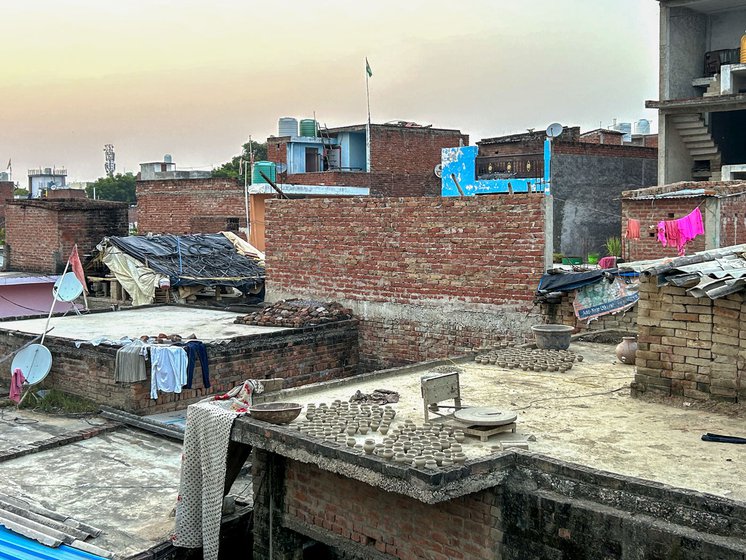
[[195, 79]]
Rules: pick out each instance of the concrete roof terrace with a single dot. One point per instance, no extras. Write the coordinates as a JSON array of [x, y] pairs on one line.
[[205, 324], [585, 416]]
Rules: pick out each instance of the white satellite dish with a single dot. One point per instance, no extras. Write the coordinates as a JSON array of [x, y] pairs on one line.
[[438, 170], [282, 167], [67, 287], [34, 361], [554, 130]]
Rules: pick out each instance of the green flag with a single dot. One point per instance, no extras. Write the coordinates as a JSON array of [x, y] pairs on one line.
[[367, 67]]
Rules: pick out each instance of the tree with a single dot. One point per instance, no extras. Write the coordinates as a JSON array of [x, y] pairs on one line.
[[232, 168], [120, 188]]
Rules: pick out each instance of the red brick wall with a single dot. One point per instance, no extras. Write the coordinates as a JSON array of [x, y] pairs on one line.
[[6, 193], [732, 220], [301, 356], [650, 212], [605, 138], [443, 275], [40, 234], [171, 206], [462, 528]]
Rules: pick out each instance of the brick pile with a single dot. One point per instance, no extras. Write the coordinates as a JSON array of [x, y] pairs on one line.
[[693, 347], [297, 313]]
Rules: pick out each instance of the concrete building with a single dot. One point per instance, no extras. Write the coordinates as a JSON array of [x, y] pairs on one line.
[[588, 174], [702, 99], [45, 178]]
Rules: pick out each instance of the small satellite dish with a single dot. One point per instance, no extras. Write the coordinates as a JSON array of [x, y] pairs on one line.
[[34, 361], [438, 170], [67, 288], [554, 130], [282, 167]]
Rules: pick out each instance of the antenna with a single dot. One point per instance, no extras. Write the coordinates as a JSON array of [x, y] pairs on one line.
[[67, 288], [34, 361], [109, 165], [438, 170]]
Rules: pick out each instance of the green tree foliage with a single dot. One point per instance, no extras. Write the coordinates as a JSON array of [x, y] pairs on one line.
[[232, 168], [19, 191], [120, 188]]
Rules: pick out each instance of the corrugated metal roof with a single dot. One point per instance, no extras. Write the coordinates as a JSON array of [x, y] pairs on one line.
[[683, 193], [16, 547]]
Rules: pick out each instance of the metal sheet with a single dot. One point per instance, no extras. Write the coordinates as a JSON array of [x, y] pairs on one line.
[[15, 547]]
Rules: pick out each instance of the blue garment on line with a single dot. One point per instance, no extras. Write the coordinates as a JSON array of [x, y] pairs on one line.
[[196, 349]]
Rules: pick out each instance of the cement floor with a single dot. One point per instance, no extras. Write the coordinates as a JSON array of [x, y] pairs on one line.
[[24, 427], [585, 416], [206, 324], [122, 482]]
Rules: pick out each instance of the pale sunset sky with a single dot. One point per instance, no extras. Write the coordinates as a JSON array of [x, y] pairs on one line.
[[195, 78]]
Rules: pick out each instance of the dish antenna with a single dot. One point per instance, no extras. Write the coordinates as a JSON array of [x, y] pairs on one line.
[[554, 130], [438, 170], [282, 167], [34, 361], [67, 287]]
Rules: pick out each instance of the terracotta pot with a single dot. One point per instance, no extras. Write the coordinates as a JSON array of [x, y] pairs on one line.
[[626, 350]]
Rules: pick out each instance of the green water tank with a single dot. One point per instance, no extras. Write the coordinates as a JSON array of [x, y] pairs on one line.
[[268, 167], [308, 127]]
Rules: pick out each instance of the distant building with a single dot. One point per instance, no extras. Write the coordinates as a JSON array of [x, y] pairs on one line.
[[588, 174], [45, 178], [702, 105]]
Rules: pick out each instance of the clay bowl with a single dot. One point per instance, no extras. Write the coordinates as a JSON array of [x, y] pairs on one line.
[[276, 412]]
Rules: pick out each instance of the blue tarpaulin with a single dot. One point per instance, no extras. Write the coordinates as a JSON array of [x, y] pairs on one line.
[[17, 547]]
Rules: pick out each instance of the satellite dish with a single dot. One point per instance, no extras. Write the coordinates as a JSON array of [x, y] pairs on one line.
[[34, 361], [438, 170], [282, 167], [67, 288], [554, 130]]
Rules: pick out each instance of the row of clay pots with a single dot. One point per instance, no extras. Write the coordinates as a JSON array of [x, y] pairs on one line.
[[530, 359], [429, 459]]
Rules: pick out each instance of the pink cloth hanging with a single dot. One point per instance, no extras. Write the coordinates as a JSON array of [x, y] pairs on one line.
[[607, 262], [690, 226], [662, 232], [633, 229], [16, 385]]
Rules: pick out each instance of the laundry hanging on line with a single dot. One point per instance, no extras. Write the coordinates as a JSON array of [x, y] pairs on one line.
[[633, 229], [677, 233]]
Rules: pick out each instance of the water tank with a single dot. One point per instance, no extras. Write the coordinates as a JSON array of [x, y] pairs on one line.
[[288, 126], [308, 127], [642, 126], [167, 158], [268, 167]]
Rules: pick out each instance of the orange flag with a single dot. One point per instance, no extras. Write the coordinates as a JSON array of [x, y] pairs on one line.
[[77, 267]]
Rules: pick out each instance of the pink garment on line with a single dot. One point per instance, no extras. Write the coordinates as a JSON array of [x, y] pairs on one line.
[[662, 232], [16, 385], [690, 226], [633, 229]]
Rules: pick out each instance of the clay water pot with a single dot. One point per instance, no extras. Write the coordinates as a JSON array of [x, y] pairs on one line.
[[431, 465], [459, 458], [369, 446], [388, 454], [418, 462], [626, 350], [384, 429], [439, 458], [364, 429], [351, 442]]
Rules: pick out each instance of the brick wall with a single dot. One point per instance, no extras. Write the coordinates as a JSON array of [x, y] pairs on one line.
[[598, 137], [607, 150], [732, 220], [54, 194], [692, 347], [533, 508], [6, 193], [428, 277], [650, 212], [462, 528], [40, 234], [301, 356], [184, 206]]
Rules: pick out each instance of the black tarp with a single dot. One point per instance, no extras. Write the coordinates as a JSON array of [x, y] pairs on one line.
[[193, 260], [569, 281]]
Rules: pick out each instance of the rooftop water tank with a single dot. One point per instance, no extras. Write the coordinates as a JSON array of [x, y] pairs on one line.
[[268, 167], [642, 126], [308, 127], [167, 158], [288, 126]]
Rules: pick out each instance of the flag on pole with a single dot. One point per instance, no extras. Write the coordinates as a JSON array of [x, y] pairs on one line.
[[77, 267], [367, 68], [8, 164]]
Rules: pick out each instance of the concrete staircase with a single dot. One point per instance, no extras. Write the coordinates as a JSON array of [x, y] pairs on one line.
[[701, 146]]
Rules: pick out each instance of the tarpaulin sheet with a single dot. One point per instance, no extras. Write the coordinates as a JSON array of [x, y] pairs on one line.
[[193, 260], [605, 297], [137, 279], [569, 281]]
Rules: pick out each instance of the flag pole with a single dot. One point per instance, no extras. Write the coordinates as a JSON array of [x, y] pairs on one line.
[[368, 132]]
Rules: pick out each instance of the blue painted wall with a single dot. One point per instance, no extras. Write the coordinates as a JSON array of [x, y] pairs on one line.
[[353, 149], [461, 162], [297, 155]]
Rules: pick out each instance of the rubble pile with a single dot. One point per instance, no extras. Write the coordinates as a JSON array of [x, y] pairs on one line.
[[297, 313]]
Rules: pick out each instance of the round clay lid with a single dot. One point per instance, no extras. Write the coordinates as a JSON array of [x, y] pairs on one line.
[[485, 416]]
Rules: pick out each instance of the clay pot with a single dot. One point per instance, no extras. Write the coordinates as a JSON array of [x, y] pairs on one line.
[[459, 458], [626, 350], [351, 442], [369, 446]]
